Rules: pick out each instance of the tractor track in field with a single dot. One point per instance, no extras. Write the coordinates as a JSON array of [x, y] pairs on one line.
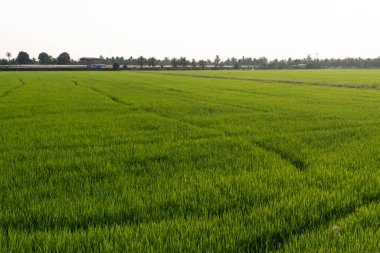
[[117, 100], [266, 242], [286, 156], [191, 99], [8, 92], [350, 86], [276, 241]]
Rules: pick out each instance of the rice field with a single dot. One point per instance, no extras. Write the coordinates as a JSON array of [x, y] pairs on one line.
[[349, 78], [192, 161]]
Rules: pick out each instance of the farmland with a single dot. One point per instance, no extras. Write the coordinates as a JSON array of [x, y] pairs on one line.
[[366, 79], [177, 162]]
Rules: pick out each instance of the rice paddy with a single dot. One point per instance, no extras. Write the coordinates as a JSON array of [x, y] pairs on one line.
[[177, 162]]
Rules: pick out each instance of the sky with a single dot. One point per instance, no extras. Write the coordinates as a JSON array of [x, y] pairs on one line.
[[197, 29]]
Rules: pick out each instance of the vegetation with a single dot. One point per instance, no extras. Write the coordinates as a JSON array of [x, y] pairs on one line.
[[152, 62], [141, 61], [63, 59], [331, 77], [217, 63], [44, 58], [23, 58], [116, 65], [202, 64], [8, 55], [174, 62], [152, 162]]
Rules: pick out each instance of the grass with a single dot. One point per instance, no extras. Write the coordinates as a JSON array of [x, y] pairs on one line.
[[366, 79], [147, 162]]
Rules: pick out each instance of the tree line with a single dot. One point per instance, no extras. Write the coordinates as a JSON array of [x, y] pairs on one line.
[[308, 62], [23, 58]]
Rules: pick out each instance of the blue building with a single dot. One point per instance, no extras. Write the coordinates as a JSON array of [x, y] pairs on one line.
[[92, 62]]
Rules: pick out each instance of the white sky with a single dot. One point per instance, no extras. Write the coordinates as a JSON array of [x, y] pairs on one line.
[[193, 28]]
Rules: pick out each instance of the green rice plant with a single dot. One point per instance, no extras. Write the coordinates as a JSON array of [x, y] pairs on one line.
[[170, 162]]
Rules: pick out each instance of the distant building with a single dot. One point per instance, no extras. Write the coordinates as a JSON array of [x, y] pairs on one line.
[[300, 66], [92, 62]]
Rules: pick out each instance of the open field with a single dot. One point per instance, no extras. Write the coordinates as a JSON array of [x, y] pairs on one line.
[[150, 162], [366, 79]]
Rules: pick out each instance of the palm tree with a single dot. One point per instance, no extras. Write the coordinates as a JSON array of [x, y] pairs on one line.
[[152, 62], [217, 61], [183, 62], [193, 63], [141, 61], [9, 55], [174, 63], [202, 64]]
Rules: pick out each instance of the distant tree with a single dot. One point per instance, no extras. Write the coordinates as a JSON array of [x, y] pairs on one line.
[[119, 59], [174, 62], [152, 62], [53, 60], [202, 64], [23, 58], [217, 61], [131, 61], [183, 62], [141, 61], [193, 63], [235, 63], [3, 62], [63, 59], [8, 55], [308, 58], [115, 65], [166, 61], [125, 66], [263, 62], [274, 64], [44, 58]]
